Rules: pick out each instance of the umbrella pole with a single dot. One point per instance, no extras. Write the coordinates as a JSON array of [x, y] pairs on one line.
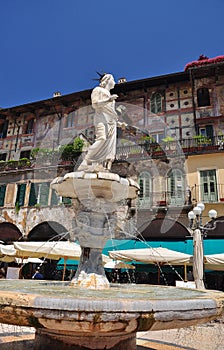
[[185, 272], [158, 281], [64, 268]]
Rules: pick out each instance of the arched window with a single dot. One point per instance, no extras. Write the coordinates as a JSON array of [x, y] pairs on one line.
[[176, 187], [156, 103], [145, 184], [203, 97]]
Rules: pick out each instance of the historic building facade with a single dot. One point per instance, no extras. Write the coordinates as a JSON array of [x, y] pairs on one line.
[[173, 145]]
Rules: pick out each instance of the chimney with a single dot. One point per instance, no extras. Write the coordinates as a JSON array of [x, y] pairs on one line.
[[122, 80], [56, 94]]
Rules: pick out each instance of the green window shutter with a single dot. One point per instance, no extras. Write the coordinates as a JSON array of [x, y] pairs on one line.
[[44, 193], [2, 195], [66, 200], [21, 194], [54, 198], [208, 185], [33, 195]]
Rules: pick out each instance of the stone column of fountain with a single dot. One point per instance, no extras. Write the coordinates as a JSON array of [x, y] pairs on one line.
[[101, 201]]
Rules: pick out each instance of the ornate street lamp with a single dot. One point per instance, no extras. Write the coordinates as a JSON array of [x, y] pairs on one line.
[[199, 231]]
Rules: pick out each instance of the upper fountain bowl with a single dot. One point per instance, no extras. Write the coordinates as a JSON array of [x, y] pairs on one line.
[[89, 187]]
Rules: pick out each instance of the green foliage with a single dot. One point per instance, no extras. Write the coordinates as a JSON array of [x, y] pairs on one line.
[[201, 139], [67, 152], [42, 152], [78, 144], [148, 139], [17, 207], [70, 151], [168, 139], [34, 152], [24, 161]]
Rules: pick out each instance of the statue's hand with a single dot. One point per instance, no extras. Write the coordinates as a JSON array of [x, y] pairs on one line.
[[122, 125], [113, 97]]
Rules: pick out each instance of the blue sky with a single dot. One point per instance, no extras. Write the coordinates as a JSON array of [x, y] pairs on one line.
[[58, 45]]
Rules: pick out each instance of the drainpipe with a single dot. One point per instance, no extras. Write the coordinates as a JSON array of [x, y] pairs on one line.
[[193, 101]]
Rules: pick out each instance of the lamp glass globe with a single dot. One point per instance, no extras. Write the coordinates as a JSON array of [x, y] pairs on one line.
[[201, 205], [197, 210], [191, 215], [212, 214]]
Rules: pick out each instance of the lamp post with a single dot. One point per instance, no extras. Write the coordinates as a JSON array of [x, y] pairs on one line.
[[199, 231]]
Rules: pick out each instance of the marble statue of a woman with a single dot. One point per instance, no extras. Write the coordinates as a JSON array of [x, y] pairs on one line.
[[101, 153]]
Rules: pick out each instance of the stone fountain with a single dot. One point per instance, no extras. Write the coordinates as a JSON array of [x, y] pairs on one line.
[[88, 313]]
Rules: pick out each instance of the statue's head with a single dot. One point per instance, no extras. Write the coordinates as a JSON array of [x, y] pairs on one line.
[[107, 80]]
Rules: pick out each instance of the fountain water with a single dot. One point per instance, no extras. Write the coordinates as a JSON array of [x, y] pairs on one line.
[[88, 313]]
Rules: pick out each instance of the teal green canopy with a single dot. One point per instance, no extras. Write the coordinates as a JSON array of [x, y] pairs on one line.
[[211, 246]]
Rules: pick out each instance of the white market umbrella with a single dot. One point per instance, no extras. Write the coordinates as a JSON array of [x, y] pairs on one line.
[[7, 253], [117, 264], [152, 256], [160, 256], [51, 250], [214, 262]]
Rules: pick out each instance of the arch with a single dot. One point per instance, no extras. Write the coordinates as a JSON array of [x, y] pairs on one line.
[[48, 230], [9, 232], [160, 229]]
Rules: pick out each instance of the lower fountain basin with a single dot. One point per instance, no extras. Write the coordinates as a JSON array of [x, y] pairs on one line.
[[65, 316]]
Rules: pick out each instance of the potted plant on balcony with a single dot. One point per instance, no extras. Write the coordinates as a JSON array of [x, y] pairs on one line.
[[71, 152], [202, 140]]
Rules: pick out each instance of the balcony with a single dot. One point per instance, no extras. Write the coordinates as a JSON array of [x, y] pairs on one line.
[[208, 193], [163, 199], [180, 198], [145, 150]]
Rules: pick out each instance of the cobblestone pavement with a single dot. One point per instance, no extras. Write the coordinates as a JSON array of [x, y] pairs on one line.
[[209, 336]]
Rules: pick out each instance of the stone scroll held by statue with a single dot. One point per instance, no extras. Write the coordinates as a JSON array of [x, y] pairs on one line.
[[101, 153]]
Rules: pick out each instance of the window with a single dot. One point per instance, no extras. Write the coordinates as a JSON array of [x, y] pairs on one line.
[[70, 120], [29, 127], [3, 129], [158, 137], [39, 193], [25, 154], [3, 156], [206, 131], [208, 186], [203, 97], [156, 103], [145, 195], [54, 198], [2, 195], [20, 197], [66, 200], [176, 188]]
